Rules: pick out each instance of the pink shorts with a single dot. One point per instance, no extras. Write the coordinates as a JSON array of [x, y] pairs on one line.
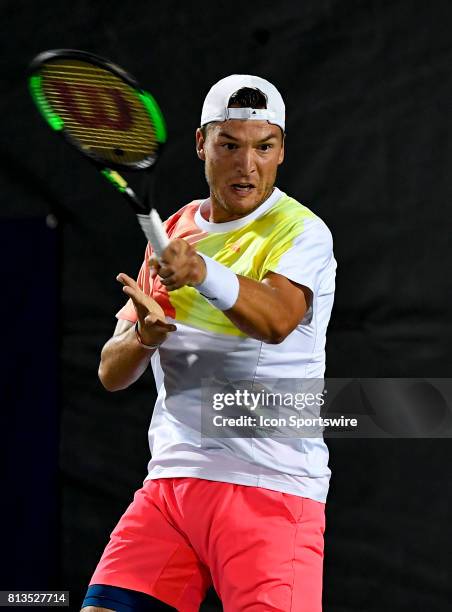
[[261, 549]]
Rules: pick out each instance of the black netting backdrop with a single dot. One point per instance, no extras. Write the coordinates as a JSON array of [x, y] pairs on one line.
[[368, 87]]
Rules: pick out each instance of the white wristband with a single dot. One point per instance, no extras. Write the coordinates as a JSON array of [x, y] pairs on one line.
[[221, 285]]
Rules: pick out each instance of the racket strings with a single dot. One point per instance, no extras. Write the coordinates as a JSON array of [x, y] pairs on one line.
[[100, 112]]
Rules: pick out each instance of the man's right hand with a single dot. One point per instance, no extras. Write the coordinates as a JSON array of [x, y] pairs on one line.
[[152, 325]]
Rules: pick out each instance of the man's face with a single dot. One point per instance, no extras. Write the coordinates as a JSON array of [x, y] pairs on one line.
[[241, 160]]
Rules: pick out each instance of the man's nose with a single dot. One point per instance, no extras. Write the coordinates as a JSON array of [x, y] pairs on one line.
[[246, 161]]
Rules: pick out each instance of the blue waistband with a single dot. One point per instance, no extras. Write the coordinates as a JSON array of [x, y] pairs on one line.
[[121, 600]]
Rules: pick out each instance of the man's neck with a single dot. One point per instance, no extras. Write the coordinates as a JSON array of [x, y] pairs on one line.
[[218, 213]]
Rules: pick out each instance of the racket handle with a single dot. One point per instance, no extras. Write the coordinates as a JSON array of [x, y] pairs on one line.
[[154, 231]]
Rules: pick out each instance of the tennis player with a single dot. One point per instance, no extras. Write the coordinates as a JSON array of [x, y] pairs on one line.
[[243, 291]]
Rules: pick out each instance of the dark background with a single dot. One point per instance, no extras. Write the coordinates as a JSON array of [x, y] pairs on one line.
[[368, 91]]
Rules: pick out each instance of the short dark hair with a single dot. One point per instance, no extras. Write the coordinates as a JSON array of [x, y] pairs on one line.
[[248, 97], [245, 97]]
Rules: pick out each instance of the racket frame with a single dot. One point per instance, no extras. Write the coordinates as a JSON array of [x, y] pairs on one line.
[[57, 124], [110, 171]]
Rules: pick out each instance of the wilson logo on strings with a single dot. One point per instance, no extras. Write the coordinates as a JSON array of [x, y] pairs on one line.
[[92, 106]]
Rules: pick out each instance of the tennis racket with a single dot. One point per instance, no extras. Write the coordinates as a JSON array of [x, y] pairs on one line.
[[102, 111]]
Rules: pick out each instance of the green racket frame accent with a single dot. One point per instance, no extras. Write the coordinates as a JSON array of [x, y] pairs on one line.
[[156, 115], [122, 186], [35, 84], [118, 181]]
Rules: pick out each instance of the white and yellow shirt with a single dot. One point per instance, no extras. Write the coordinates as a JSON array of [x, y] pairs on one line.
[[281, 236]]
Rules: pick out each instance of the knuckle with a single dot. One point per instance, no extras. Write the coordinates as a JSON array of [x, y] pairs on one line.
[[165, 271]]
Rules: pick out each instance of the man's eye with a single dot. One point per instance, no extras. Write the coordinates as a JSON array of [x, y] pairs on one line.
[[229, 146], [265, 147]]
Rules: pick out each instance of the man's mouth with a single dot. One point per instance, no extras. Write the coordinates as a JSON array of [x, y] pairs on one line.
[[242, 187]]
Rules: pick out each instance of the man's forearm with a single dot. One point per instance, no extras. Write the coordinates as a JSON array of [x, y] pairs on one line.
[[260, 312], [123, 361], [267, 310]]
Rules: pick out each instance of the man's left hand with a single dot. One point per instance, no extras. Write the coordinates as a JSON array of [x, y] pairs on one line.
[[179, 265]]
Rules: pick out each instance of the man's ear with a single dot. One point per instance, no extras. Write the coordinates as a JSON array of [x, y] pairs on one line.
[[281, 153], [200, 140]]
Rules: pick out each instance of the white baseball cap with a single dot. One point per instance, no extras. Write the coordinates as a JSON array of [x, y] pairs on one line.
[[215, 107]]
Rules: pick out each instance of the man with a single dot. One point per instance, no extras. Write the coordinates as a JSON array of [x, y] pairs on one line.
[[244, 291]]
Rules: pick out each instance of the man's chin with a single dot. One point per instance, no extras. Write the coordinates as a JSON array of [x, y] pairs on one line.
[[235, 205]]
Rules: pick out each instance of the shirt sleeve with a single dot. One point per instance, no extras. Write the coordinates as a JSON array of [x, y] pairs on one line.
[[307, 258]]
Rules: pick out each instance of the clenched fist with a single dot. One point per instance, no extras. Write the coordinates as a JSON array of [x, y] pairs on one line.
[[179, 265]]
